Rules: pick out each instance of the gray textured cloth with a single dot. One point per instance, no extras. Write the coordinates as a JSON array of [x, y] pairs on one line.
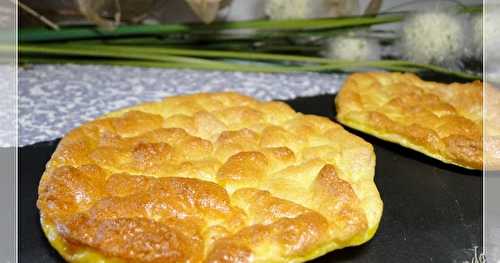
[[53, 99]]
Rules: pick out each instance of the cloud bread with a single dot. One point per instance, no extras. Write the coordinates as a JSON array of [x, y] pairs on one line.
[[443, 121], [214, 177]]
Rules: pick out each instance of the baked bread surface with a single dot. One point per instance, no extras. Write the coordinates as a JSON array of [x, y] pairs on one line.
[[443, 121], [213, 177]]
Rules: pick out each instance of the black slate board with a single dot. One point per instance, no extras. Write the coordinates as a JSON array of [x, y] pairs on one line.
[[432, 211]]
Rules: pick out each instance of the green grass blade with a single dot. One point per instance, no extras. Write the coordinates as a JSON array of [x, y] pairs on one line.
[[180, 65], [193, 57], [66, 34], [110, 53], [268, 57]]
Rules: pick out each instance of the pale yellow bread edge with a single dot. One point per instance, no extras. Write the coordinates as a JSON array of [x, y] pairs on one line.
[[398, 139]]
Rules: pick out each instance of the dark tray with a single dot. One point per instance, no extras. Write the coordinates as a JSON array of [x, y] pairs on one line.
[[432, 211]]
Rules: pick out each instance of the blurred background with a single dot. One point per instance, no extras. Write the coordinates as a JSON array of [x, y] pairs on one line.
[[67, 12]]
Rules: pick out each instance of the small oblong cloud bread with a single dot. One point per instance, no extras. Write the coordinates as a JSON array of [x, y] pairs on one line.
[[443, 121], [215, 177]]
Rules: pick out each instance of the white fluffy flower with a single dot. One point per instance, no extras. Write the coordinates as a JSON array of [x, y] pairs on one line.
[[303, 9], [492, 43], [477, 37], [433, 37], [353, 48], [492, 32], [289, 9]]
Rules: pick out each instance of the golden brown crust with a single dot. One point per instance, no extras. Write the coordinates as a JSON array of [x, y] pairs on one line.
[[441, 120], [209, 177]]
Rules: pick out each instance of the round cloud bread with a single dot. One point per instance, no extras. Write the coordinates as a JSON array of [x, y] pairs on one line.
[[443, 121], [214, 177]]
